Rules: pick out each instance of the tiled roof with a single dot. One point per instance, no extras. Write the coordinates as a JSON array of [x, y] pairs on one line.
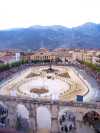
[[6, 58]]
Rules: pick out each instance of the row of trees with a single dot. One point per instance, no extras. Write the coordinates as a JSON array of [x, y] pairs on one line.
[[8, 66], [46, 61], [92, 66]]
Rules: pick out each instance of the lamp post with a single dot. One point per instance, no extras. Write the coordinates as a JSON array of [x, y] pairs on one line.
[[83, 59], [50, 68]]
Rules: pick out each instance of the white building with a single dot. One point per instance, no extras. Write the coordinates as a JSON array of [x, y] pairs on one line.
[[17, 56]]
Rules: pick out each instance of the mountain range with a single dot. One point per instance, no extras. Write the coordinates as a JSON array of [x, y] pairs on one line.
[[35, 37]]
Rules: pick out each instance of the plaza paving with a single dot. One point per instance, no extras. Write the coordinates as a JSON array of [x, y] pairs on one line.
[[79, 83], [81, 128]]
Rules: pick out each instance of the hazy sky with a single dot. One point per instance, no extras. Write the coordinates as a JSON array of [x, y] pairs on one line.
[[25, 13]]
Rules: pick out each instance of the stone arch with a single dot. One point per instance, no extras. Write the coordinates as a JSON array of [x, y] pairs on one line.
[[22, 110], [11, 119], [89, 110], [67, 120], [91, 117], [23, 122], [3, 115], [78, 114], [43, 119]]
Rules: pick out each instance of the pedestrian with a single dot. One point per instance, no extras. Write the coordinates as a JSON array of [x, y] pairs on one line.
[[70, 127], [66, 129], [63, 118], [62, 128], [60, 121]]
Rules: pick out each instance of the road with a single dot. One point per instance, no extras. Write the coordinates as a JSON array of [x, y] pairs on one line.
[[93, 86]]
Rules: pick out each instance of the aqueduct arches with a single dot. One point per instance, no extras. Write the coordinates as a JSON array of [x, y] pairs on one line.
[[44, 120], [53, 107], [91, 117]]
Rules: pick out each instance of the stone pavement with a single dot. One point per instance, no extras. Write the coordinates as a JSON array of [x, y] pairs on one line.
[[81, 128]]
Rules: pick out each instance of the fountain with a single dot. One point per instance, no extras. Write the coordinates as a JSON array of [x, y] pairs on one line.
[[39, 90], [50, 69]]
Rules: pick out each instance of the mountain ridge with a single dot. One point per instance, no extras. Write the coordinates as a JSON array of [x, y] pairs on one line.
[[55, 36]]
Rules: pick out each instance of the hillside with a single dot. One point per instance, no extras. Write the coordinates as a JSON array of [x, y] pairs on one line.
[[84, 36]]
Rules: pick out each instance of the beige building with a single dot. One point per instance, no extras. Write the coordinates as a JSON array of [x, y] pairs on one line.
[[96, 60], [61, 54], [45, 54], [86, 55], [42, 55]]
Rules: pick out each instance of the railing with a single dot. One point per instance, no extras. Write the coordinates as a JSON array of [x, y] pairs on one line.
[[48, 102]]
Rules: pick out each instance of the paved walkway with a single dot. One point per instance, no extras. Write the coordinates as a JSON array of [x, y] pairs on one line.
[[84, 129], [81, 128]]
